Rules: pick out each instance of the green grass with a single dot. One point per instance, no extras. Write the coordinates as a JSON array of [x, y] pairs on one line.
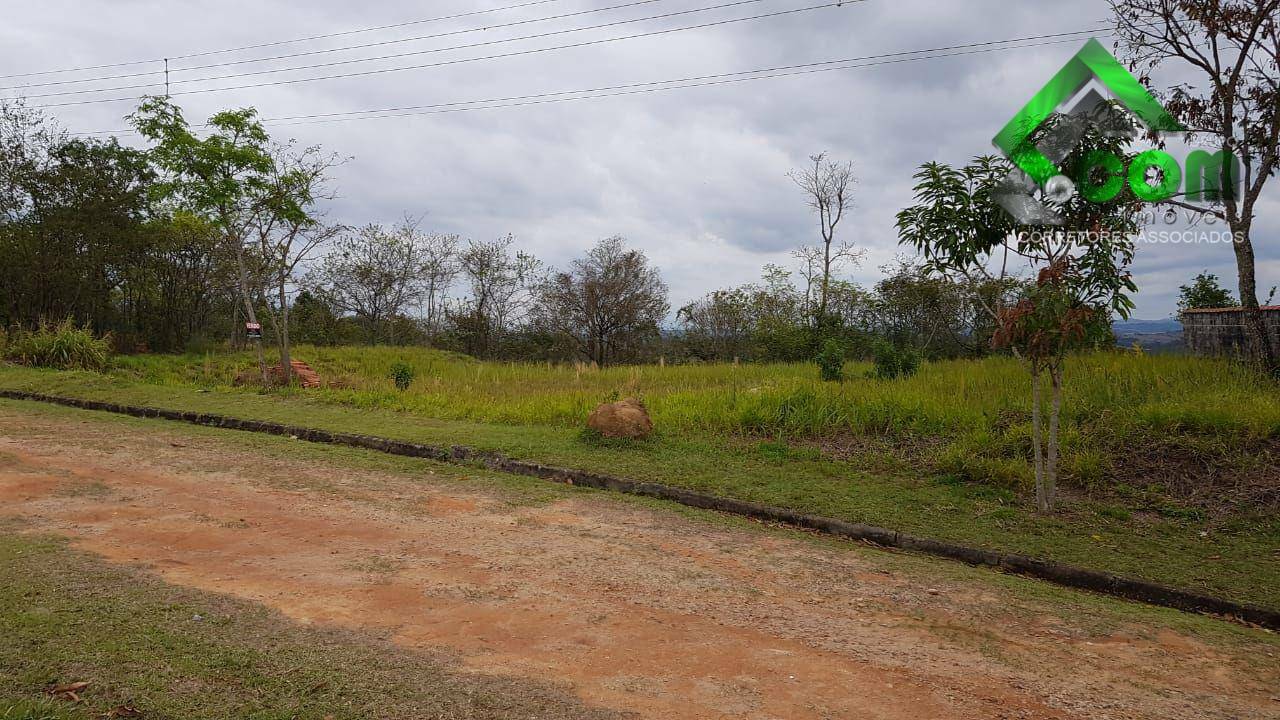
[[975, 414], [1235, 557], [177, 653]]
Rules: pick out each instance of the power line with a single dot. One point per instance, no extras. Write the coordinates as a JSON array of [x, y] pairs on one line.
[[352, 61], [277, 43], [364, 73], [681, 83], [747, 76], [308, 53]]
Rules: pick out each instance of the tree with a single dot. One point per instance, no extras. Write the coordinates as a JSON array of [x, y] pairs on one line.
[[374, 273], [1080, 275], [1205, 291], [502, 285], [1234, 47], [720, 325], [610, 302], [939, 315], [828, 186], [225, 177], [288, 230], [440, 269]]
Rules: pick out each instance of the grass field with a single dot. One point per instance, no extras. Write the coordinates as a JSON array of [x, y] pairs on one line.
[[941, 454], [963, 417]]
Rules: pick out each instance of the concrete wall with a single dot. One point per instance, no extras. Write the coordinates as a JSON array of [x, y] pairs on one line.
[[1221, 332]]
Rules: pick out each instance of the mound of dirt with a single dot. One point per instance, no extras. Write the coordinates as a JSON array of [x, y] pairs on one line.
[[302, 374], [625, 419]]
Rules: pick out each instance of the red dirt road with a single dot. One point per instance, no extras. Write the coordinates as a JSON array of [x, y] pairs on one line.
[[636, 609]]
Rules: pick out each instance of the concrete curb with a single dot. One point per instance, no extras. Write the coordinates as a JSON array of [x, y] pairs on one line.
[[1058, 573]]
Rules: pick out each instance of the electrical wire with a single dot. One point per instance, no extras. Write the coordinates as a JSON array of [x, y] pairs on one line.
[[533, 51], [277, 43], [396, 56], [679, 83], [273, 58]]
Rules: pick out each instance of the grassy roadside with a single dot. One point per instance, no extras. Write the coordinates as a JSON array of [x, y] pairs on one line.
[[1239, 559], [169, 652]]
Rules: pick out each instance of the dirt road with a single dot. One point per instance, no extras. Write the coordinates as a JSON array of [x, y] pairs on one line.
[[638, 608]]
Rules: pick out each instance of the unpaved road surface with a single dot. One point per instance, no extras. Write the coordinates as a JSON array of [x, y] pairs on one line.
[[637, 608]]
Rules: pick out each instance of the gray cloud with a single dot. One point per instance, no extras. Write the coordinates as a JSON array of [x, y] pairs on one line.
[[696, 177]]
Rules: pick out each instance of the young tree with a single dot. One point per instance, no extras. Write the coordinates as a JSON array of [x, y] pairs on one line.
[[1204, 292], [1234, 48], [288, 230], [1080, 276], [828, 186], [225, 177], [610, 301]]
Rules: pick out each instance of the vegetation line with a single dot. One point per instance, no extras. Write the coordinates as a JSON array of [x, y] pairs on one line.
[[1058, 573]]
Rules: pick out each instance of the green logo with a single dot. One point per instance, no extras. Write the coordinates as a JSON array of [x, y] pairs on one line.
[[1153, 176], [1092, 62]]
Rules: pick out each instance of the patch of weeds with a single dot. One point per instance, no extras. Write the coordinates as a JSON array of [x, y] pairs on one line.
[[593, 438], [83, 488], [780, 451], [37, 710], [1115, 512], [949, 480], [1179, 512], [1003, 515], [377, 565]]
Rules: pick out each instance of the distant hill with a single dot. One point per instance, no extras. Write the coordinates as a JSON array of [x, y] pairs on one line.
[[1153, 335]]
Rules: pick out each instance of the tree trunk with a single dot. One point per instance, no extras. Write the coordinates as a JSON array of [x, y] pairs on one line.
[[1037, 436], [242, 271], [1255, 328], [282, 337], [1051, 463]]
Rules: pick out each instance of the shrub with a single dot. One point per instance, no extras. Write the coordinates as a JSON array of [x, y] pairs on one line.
[[62, 347], [831, 360], [402, 374], [892, 361]]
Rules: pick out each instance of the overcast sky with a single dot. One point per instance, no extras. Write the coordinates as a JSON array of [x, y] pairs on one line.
[[697, 178]]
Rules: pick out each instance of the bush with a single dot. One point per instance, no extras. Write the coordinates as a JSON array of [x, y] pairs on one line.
[[831, 360], [894, 362], [402, 374], [62, 347]]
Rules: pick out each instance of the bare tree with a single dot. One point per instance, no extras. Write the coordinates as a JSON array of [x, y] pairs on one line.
[[1234, 45], [828, 185], [609, 301], [375, 274]]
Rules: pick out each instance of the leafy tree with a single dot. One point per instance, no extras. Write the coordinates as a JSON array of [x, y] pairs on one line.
[[1233, 48], [1205, 291], [719, 325], [1080, 275], [225, 177], [610, 302], [503, 285], [287, 231], [376, 274]]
